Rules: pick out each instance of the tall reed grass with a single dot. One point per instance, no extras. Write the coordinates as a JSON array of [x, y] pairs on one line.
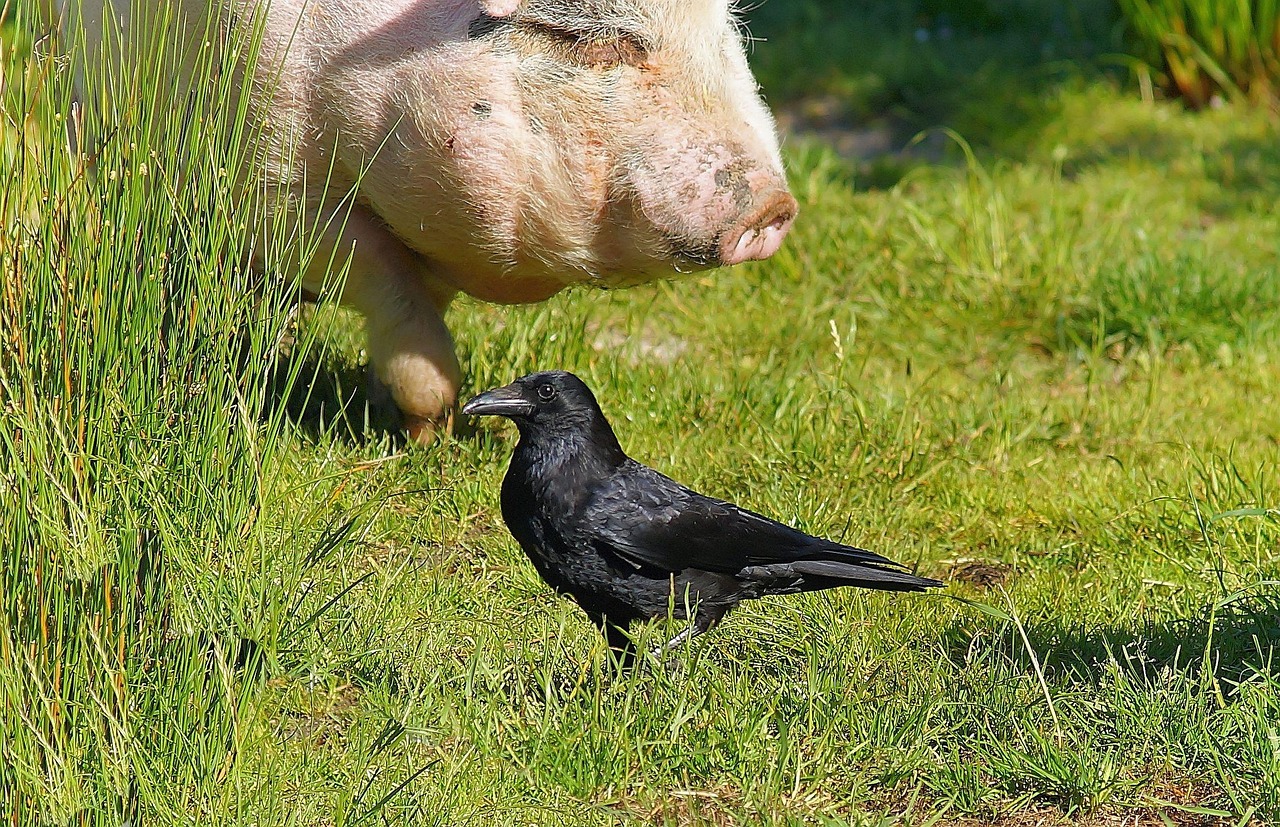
[[1228, 48], [136, 427]]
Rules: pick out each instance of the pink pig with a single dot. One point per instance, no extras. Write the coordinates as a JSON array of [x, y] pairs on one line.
[[506, 149]]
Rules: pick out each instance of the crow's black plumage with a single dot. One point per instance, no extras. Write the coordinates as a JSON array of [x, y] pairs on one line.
[[628, 543]]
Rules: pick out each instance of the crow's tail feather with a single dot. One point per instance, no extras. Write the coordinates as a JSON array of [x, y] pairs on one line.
[[829, 573]]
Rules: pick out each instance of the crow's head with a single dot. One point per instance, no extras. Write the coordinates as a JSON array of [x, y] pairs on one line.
[[553, 402]]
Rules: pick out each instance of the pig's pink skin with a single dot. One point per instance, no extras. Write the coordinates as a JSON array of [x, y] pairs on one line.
[[491, 165]]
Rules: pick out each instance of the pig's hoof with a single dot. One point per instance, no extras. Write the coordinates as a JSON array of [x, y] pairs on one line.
[[425, 431], [431, 419]]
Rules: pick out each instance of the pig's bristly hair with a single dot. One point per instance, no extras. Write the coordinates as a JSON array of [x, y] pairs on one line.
[[649, 22], [594, 18]]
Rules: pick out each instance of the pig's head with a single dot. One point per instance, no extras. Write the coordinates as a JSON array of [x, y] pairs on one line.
[[597, 140]]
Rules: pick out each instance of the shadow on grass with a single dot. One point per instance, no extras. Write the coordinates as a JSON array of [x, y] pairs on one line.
[[328, 399], [1248, 173], [1155, 301], [1249, 169], [1245, 169], [1223, 646]]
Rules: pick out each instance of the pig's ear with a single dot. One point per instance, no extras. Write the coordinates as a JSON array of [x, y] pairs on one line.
[[499, 8]]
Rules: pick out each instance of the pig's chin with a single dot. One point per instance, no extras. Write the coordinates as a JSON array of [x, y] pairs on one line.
[[653, 269], [525, 283], [634, 248], [658, 259]]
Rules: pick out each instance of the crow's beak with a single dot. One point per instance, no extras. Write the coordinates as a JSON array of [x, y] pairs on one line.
[[505, 401]]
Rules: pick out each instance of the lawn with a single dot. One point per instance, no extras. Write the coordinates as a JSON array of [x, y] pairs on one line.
[[1036, 354]]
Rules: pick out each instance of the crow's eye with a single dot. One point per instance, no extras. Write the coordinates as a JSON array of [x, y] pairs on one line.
[[546, 392]]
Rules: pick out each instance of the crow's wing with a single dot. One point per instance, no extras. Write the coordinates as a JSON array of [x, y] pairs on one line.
[[651, 521]]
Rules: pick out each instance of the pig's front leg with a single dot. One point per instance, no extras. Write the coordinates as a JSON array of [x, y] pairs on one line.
[[411, 353]]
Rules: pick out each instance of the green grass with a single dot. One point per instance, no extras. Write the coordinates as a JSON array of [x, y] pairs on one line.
[[1046, 372]]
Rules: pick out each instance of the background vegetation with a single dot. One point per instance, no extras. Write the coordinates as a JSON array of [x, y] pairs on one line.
[[1213, 49], [1031, 350]]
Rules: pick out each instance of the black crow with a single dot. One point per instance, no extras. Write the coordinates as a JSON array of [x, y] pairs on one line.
[[628, 543]]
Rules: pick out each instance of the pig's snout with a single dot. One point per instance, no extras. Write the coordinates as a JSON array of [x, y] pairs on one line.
[[760, 233]]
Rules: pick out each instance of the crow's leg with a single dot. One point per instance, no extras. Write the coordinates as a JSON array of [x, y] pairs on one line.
[[703, 621], [620, 643]]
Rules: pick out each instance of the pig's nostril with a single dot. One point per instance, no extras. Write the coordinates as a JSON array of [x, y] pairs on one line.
[[760, 233]]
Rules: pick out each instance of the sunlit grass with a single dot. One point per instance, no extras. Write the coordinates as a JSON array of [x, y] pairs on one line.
[[1049, 376]]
